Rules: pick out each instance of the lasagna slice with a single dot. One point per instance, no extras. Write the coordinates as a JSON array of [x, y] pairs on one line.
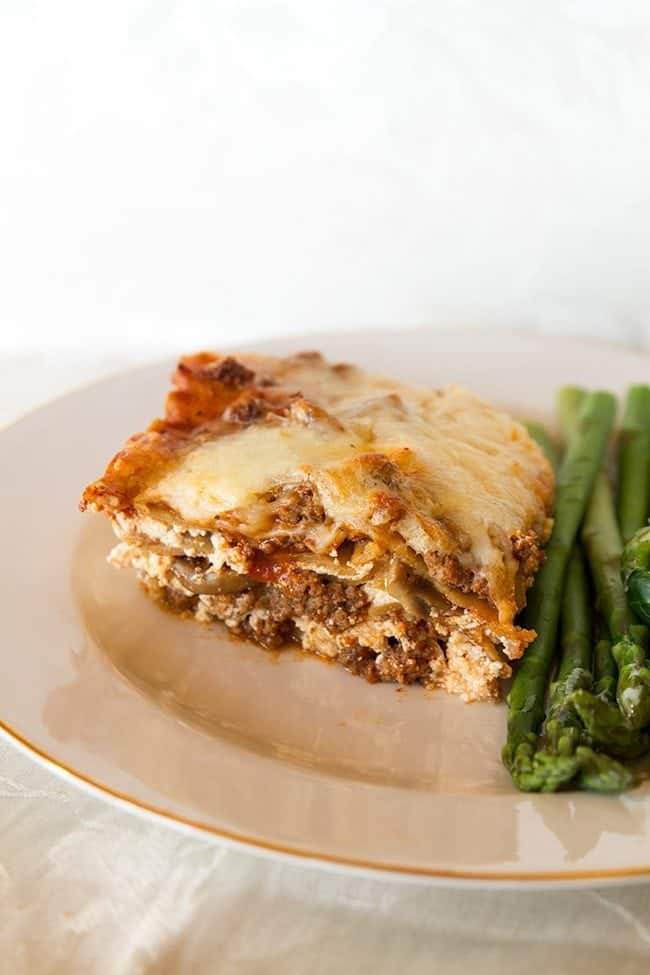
[[392, 528]]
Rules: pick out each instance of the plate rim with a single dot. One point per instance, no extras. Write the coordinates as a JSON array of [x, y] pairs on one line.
[[474, 878], [544, 879]]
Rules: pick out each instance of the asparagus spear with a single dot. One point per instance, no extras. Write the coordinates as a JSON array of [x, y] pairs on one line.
[[565, 731], [633, 688], [536, 770], [602, 719], [577, 473], [607, 727], [602, 542], [603, 722], [564, 759], [634, 474], [563, 726], [600, 715], [601, 773], [634, 462]]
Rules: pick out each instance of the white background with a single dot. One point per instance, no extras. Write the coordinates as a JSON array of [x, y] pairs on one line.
[[175, 174], [171, 173]]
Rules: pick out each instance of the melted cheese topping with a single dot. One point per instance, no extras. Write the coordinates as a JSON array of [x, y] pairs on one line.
[[468, 476], [232, 471]]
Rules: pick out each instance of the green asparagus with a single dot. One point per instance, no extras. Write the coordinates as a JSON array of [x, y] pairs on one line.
[[634, 462], [536, 770], [539, 769], [601, 773], [607, 727], [602, 542], [605, 671], [565, 732], [577, 473], [633, 688], [563, 727], [601, 716], [634, 481]]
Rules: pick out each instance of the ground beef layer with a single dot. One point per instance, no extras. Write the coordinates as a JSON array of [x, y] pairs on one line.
[[334, 619]]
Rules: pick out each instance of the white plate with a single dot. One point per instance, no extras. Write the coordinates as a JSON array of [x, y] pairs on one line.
[[280, 752]]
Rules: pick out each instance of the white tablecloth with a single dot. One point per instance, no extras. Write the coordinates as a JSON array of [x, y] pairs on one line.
[[87, 889]]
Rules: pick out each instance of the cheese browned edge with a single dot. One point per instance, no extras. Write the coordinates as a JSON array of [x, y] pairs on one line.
[[393, 528]]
